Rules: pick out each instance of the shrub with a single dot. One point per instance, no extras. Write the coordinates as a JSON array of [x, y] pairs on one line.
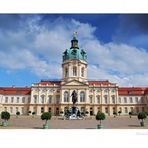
[[146, 113], [46, 116], [130, 114], [5, 115], [18, 113], [100, 116], [33, 113], [61, 112], [82, 113], [114, 113], [119, 112], [142, 116], [87, 112]]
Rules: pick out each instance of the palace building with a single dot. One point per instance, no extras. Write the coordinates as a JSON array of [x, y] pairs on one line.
[[55, 96]]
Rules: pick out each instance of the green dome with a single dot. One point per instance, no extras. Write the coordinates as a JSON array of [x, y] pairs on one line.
[[74, 54]]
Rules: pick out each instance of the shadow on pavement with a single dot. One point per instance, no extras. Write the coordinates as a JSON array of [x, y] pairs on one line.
[[134, 125], [37, 128]]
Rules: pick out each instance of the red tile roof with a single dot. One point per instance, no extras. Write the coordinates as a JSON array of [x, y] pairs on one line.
[[15, 91], [50, 82], [100, 83], [132, 90]]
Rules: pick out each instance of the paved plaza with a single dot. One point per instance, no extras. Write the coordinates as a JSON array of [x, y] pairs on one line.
[[120, 122]]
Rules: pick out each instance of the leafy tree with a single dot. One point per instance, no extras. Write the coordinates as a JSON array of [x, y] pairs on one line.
[[33, 113], [130, 114], [119, 112], [29, 112], [114, 113], [46, 116], [17, 113], [142, 116], [100, 116], [5, 116], [87, 112]]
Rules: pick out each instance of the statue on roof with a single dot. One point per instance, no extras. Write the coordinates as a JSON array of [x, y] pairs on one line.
[[75, 34]]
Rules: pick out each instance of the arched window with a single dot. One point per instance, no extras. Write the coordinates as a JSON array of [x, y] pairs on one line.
[[66, 72], [42, 99], [90, 98], [98, 99], [82, 96], [106, 99], [74, 71], [35, 99], [66, 96], [113, 99], [82, 72]]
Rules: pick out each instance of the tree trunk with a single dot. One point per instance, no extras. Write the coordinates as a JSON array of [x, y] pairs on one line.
[[45, 122], [100, 122]]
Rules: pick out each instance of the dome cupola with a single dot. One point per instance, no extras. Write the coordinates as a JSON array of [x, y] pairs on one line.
[[74, 52]]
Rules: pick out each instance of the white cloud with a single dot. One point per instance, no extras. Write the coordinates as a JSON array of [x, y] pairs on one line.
[[43, 45]]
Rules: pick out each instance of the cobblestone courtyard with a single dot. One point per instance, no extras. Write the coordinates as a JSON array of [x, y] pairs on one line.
[[120, 122]]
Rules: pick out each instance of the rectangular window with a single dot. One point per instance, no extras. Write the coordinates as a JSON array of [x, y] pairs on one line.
[[142, 109], [114, 110], [131, 109], [142, 99], [17, 100], [34, 109], [126, 111], [49, 109], [12, 99], [22, 110], [5, 108], [136, 99], [98, 99], [28, 99], [131, 100], [137, 109], [6, 100], [23, 99], [42, 99], [57, 99], [11, 110], [82, 109], [113, 99], [35, 99], [106, 110], [42, 109], [50, 99], [98, 109], [16, 109], [106, 99], [90, 99], [125, 100], [119, 99]]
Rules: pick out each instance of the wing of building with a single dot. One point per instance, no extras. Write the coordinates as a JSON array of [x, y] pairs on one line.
[[55, 96]]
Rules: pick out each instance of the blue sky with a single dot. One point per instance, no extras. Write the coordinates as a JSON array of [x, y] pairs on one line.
[[31, 46]]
